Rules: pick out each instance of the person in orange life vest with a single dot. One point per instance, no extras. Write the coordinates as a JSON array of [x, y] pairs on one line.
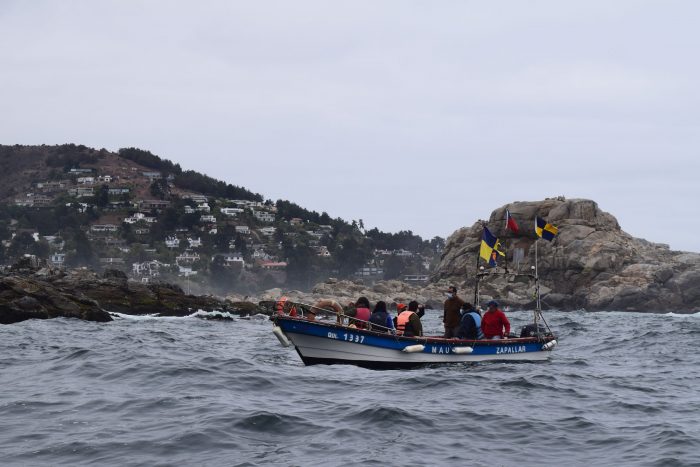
[[283, 304], [495, 324], [399, 308], [362, 313], [408, 323]]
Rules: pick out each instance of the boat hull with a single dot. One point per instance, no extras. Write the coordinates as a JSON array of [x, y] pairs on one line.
[[323, 343]]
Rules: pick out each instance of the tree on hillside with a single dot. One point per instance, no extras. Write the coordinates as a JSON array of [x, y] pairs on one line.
[[102, 197]]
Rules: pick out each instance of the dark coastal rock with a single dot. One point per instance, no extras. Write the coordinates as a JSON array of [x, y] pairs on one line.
[[23, 298], [592, 264], [85, 295]]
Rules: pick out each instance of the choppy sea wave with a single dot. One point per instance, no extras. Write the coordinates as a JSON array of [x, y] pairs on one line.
[[620, 389]]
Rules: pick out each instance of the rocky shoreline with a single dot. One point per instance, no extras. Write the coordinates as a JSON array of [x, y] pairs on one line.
[[592, 264], [83, 294]]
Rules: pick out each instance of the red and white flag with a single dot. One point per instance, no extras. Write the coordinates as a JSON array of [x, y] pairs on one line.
[[510, 222]]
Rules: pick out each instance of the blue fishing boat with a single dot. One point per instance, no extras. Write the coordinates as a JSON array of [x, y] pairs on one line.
[[319, 342], [371, 346]]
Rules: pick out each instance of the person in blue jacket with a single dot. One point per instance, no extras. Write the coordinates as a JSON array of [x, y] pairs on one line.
[[470, 323], [380, 319]]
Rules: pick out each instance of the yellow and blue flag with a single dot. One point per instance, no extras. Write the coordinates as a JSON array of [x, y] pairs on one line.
[[490, 247], [545, 230]]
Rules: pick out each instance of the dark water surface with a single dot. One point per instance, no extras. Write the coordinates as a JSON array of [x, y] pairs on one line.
[[620, 389]]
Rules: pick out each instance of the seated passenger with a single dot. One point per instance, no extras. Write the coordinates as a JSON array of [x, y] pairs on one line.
[[284, 306], [399, 308], [494, 322], [381, 320], [408, 323], [362, 313], [470, 324]]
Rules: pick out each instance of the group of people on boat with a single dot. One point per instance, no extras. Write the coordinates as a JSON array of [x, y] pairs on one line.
[[463, 321], [406, 322]]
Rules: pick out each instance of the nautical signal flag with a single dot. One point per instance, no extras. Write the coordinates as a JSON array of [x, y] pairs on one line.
[[490, 247], [510, 222], [545, 230]]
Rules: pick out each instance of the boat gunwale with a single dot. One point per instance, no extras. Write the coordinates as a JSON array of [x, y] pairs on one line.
[[421, 339]]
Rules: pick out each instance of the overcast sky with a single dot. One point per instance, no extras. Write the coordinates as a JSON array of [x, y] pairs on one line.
[[409, 115]]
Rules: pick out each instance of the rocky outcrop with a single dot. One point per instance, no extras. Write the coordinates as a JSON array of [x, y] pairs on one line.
[[592, 264], [43, 293], [23, 298]]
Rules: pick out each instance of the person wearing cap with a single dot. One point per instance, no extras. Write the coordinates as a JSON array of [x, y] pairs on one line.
[[470, 325], [408, 323], [400, 307], [451, 315], [495, 324]]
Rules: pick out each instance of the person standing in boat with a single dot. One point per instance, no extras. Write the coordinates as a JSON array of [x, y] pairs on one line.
[[495, 324], [362, 313], [470, 325], [408, 323], [381, 320], [451, 316]]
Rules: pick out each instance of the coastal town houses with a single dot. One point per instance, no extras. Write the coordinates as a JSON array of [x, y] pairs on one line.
[[231, 259], [58, 260], [116, 191], [242, 229], [264, 216], [267, 231], [198, 199], [260, 255], [187, 257], [81, 192], [231, 212], [100, 228], [148, 268], [207, 218], [274, 265], [172, 242], [194, 242], [32, 200], [151, 204], [152, 175], [139, 217]]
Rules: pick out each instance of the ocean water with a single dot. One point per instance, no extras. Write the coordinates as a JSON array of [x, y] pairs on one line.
[[620, 389]]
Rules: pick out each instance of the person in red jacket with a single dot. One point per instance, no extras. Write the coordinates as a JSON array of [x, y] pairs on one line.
[[494, 322]]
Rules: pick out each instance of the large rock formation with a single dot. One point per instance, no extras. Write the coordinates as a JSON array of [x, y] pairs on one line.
[[592, 264]]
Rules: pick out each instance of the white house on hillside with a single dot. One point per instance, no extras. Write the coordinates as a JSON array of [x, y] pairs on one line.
[[172, 242]]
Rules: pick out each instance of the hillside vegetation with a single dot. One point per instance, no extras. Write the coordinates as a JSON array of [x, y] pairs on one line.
[[75, 206]]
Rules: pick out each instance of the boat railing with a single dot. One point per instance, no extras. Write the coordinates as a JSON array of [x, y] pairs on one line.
[[341, 317]]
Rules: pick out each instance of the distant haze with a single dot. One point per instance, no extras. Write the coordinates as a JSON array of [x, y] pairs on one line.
[[409, 115]]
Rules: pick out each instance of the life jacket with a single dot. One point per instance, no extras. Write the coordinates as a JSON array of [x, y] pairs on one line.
[[403, 325], [279, 306], [362, 315], [379, 318], [477, 322]]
